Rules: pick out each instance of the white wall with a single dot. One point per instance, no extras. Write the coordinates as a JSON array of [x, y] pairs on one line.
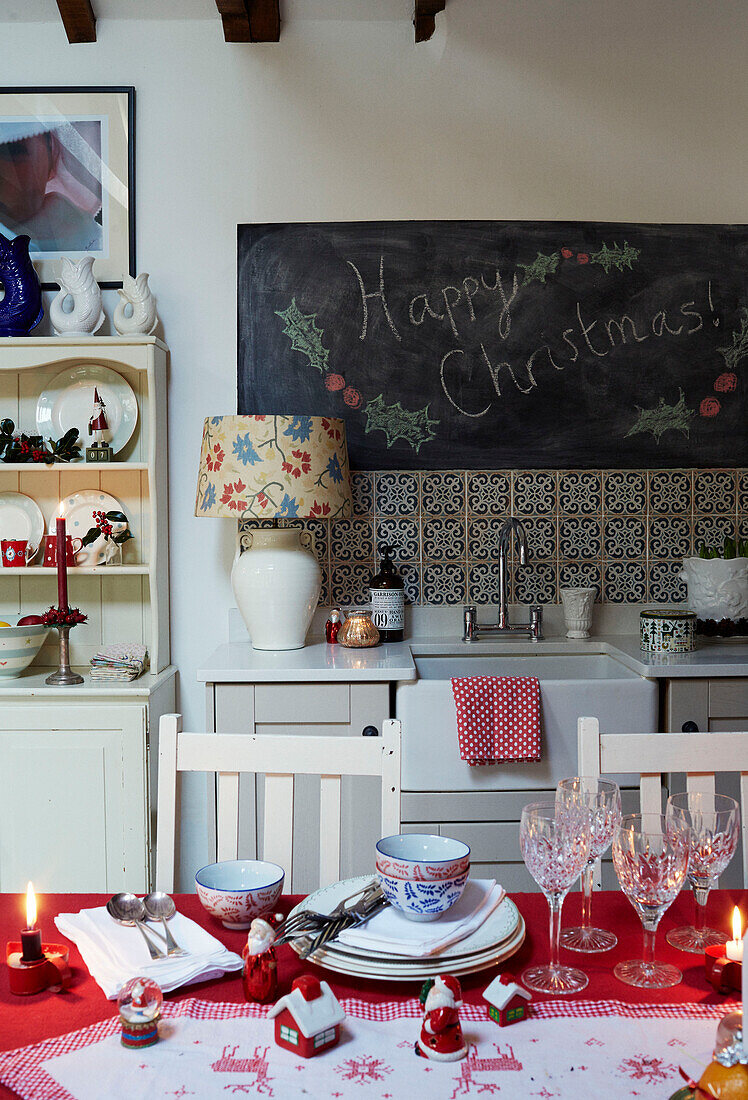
[[565, 109]]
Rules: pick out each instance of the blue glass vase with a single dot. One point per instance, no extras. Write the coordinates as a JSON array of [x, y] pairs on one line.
[[21, 309]]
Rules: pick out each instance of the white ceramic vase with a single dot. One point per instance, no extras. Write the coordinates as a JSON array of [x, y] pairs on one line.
[[276, 586], [578, 610], [717, 587], [136, 310], [77, 286]]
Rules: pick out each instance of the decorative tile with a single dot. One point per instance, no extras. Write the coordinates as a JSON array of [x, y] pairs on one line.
[[362, 487], [669, 536], [443, 538], [411, 573], [534, 493], [396, 494], [743, 490], [579, 538], [483, 582], [670, 490], [443, 494], [536, 583], [443, 583], [483, 538], [325, 596], [541, 539], [349, 583], [714, 491], [580, 574], [319, 532], [579, 492], [403, 535], [713, 530], [743, 528], [624, 582], [625, 537], [489, 493], [665, 585], [352, 540], [624, 491]]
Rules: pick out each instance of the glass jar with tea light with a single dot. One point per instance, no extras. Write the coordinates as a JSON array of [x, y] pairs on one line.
[[358, 631], [723, 963]]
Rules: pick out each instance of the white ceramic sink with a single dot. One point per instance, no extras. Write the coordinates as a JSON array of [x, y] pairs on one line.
[[546, 666]]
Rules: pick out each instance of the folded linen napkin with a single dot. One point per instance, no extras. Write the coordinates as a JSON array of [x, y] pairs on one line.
[[390, 931], [115, 953], [498, 718]]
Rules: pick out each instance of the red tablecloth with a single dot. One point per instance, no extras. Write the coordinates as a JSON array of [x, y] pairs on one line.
[[25, 1020]]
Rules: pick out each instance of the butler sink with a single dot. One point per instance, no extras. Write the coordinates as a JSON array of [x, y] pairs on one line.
[[571, 685]]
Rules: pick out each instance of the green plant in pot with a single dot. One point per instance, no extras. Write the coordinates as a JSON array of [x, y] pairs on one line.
[[717, 580]]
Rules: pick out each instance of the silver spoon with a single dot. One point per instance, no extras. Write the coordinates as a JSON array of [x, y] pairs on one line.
[[159, 906], [128, 910]]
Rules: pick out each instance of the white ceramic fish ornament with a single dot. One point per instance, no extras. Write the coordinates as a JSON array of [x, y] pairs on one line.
[[77, 282], [142, 317]]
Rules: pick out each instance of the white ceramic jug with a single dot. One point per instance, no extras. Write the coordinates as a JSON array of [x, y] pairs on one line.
[[77, 283]]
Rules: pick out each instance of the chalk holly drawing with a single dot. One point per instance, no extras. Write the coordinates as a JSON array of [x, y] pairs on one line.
[[739, 348], [663, 418], [363, 1070], [540, 267], [305, 335], [651, 1070], [616, 256], [257, 1064], [416, 428]]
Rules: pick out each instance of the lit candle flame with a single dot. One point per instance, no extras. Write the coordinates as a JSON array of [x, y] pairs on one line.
[[737, 925], [30, 906]]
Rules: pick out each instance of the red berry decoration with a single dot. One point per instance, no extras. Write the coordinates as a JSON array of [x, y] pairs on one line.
[[726, 383], [582, 258], [567, 253], [335, 382], [352, 397], [710, 406]]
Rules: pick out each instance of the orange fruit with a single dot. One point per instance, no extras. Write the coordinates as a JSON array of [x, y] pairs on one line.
[[724, 1082]]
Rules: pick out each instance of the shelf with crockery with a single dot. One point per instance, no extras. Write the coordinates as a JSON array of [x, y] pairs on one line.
[[46, 386]]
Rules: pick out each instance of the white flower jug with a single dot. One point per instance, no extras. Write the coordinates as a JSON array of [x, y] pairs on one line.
[[717, 587], [136, 310], [76, 310]]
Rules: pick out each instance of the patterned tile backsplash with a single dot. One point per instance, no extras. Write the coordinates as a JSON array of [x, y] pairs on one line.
[[624, 531]]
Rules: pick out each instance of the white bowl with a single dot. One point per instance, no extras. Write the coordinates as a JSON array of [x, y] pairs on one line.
[[422, 875], [19, 646], [238, 890]]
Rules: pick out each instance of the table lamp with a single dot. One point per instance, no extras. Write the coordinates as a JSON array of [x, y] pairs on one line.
[[270, 468]]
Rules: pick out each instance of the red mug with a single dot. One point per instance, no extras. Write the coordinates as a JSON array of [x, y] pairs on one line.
[[50, 550], [16, 552]]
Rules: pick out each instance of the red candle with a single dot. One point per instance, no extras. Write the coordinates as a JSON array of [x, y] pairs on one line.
[[31, 937], [62, 566]]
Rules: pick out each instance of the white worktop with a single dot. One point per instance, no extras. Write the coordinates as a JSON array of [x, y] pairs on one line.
[[31, 682], [237, 662]]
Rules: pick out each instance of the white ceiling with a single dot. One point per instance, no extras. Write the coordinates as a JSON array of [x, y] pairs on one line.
[[45, 11]]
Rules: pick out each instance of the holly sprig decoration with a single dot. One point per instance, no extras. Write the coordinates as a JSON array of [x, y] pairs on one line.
[[63, 616], [104, 525], [20, 447]]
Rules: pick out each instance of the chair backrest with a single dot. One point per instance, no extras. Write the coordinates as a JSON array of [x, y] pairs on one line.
[[699, 755], [281, 758]]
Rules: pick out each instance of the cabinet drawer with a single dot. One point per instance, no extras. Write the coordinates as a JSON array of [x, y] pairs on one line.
[[728, 698], [305, 704]]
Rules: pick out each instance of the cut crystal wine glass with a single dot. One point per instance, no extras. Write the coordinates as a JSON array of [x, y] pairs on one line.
[[711, 823], [555, 842], [651, 861], [601, 800]]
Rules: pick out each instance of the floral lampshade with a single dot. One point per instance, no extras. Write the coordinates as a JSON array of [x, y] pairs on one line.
[[273, 467]]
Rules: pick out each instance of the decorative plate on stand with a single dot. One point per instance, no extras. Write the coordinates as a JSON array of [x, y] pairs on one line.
[[68, 403], [77, 510], [21, 518]]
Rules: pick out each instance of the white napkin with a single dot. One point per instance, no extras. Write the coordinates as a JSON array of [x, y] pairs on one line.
[[115, 953], [393, 933]]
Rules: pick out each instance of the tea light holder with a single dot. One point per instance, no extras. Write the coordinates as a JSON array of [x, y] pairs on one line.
[[722, 973], [49, 971]]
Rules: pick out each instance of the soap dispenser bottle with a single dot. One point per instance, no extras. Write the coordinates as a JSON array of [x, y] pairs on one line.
[[388, 599]]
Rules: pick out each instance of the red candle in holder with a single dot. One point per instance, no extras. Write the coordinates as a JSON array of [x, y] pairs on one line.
[[723, 963], [31, 936], [62, 565], [33, 965]]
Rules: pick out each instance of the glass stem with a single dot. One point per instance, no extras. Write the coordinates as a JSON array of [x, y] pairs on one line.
[[650, 932], [587, 894], [555, 901], [700, 895]]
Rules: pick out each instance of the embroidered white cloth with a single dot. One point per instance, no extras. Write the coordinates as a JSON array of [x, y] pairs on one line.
[[209, 1050], [114, 953], [390, 931]]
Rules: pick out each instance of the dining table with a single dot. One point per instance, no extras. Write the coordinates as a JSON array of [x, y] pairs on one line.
[[40, 1018]]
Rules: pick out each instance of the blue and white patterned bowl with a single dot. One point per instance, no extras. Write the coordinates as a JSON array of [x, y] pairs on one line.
[[423, 901], [422, 875], [19, 646]]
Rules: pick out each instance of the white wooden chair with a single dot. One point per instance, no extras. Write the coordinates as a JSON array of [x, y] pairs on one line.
[[699, 755], [280, 758]]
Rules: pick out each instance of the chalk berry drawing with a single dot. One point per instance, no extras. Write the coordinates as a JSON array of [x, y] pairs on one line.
[[363, 1070], [739, 348], [663, 418], [540, 267], [651, 1070], [615, 257], [396, 422], [305, 335]]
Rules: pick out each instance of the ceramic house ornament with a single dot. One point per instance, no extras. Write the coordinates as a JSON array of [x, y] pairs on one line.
[[77, 286], [507, 1001], [136, 310], [21, 306], [308, 1019]]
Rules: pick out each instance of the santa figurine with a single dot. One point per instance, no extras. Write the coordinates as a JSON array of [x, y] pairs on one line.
[[98, 429], [260, 975], [441, 1037]]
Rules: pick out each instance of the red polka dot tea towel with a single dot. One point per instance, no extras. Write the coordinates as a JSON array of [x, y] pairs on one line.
[[498, 718]]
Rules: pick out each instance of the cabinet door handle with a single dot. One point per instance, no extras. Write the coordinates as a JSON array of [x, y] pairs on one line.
[[370, 731], [689, 727]]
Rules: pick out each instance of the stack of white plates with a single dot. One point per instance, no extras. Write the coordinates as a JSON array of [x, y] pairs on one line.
[[502, 933]]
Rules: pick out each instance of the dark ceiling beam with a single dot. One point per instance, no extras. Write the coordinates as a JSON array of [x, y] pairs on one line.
[[78, 19], [424, 17], [250, 20]]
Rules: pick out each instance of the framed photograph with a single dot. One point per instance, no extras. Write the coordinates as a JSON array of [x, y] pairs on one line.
[[67, 177]]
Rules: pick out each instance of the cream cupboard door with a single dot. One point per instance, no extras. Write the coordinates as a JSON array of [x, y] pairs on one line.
[[73, 798]]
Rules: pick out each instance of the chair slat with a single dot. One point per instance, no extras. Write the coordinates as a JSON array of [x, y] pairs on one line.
[[329, 829], [166, 821], [228, 815], [310, 755], [277, 845]]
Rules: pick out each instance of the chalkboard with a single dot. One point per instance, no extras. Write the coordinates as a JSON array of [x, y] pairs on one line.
[[470, 344]]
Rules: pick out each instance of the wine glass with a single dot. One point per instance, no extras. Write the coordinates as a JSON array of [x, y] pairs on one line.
[[711, 823], [555, 842], [651, 861], [601, 800]]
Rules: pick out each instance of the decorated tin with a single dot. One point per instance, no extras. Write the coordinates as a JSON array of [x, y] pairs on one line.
[[667, 630]]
